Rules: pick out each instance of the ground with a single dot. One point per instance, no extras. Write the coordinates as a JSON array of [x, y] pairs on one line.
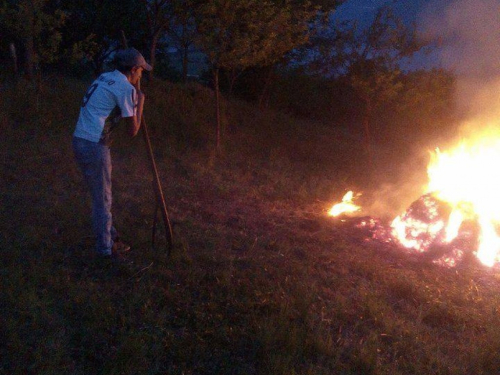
[[260, 280]]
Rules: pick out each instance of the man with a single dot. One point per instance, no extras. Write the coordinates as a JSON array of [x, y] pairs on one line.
[[112, 96]]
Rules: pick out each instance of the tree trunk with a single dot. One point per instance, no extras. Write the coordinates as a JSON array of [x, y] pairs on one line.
[[152, 54], [217, 108], [185, 52], [29, 62], [13, 54], [367, 126], [264, 96], [233, 75]]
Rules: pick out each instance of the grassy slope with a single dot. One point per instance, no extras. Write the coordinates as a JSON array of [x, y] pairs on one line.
[[260, 282]]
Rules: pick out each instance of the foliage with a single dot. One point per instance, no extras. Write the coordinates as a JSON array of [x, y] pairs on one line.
[[374, 58], [425, 105], [159, 14], [369, 60], [94, 28], [325, 5], [237, 34], [428, 91], [34, 24], [183, 31], [386, 43]]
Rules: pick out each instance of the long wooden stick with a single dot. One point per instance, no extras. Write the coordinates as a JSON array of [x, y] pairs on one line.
[[160, 198]]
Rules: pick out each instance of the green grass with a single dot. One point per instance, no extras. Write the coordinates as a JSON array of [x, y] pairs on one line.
[[259, 281]]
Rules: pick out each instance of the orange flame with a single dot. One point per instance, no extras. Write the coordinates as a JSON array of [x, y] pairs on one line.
[[468, 179], [346, 206]]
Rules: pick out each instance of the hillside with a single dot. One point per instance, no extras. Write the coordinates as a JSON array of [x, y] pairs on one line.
[[260, 281]]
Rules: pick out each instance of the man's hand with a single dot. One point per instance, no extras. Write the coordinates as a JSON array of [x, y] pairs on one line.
[[135, 121], [140, 97]]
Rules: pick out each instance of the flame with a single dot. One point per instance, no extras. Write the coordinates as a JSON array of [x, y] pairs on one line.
[[467, 178], [410, 232], [346, 206], [459, 210]]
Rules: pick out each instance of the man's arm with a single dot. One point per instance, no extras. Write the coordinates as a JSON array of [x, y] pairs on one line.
[[134, 122]]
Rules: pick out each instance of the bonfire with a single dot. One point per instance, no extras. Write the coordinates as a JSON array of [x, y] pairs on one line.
[[458, 212]]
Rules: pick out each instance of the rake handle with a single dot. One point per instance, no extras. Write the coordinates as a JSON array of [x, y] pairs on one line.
[[160, 198]]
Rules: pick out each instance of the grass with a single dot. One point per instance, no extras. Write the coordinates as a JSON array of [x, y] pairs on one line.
[[259, 281]]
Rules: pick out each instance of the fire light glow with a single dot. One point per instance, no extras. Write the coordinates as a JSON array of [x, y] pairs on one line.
[[463, 191], [467, 178]]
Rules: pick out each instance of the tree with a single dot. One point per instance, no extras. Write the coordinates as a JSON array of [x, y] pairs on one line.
[[369, 60], [159, 14], [426, 101], [183, 31], [37, 28], [94, 28], [375, 85], [237, 34]]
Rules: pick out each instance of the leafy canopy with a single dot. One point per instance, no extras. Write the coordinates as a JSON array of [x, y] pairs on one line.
[[236, 34]]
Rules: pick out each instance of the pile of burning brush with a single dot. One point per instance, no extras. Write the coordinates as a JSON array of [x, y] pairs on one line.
[[424, 229], [458, 215]]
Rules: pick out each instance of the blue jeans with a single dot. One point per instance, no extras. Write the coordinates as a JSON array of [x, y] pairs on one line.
[[94, 160]]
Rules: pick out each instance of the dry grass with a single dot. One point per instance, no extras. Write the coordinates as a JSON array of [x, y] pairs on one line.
[[259, 282]]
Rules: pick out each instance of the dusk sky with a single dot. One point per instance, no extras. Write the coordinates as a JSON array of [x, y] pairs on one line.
[[469, 43], [469, 30], [364, 10]]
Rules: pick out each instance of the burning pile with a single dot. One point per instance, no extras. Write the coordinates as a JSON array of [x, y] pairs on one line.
[[459, 212]]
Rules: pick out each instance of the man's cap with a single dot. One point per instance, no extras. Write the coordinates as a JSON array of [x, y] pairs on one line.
[[130, 57]]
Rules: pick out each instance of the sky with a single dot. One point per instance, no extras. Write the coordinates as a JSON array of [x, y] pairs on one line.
[[469, 42], [469, 30], [410, 11], [364, 10]]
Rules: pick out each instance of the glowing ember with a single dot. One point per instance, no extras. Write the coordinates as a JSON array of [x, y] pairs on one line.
[[346, 206], [421, 225], [468, 180]]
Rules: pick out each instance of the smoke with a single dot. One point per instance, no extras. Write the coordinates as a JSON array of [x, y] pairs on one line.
[[390, 200], [399, 183], [468, 32], [468, 35]]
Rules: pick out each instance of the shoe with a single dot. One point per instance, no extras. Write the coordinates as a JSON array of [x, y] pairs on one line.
[[120, 247]]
